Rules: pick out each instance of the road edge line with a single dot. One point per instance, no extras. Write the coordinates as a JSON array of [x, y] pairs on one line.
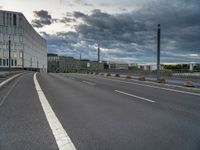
[[61, 137], [9, 79]]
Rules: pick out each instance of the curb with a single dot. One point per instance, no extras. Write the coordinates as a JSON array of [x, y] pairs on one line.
[[9, 79], [154, 83]]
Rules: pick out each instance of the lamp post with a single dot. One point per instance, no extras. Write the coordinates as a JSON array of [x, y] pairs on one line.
[[158, 52], [98, 54], [9, 54]]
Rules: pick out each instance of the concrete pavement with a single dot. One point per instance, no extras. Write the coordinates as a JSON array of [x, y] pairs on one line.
[[99, 114]]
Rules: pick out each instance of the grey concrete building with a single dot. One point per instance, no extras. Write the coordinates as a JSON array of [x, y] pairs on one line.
[[28, 48]]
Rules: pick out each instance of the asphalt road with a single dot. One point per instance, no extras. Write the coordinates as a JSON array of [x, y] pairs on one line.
[[98, 114]]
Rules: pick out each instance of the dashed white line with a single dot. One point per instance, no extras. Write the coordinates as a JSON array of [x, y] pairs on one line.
[[155, 87], [135, 96], [62, 139], [90, 83]]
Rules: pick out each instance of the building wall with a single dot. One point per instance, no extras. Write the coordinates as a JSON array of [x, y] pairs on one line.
[[28, 48]]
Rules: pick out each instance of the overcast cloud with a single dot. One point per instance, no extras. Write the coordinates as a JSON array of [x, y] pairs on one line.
[[42, 18], [131, 35]]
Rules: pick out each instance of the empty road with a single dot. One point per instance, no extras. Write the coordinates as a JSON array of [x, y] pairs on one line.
[[96, 113]]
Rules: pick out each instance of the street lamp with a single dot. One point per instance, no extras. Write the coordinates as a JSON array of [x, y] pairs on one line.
[[98, 54], [9, 54], [158, 52]]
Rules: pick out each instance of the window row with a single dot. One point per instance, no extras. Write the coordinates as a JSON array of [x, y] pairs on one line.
[[5, 62]]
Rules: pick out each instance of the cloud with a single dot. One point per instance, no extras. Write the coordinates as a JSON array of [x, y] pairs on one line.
[[131, 36], [42, 18], [76, 2]]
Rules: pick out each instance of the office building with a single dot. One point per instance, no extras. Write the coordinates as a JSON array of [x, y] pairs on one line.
[[28, 50]]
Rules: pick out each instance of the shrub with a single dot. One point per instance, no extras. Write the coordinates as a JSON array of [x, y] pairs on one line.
[[162, 80], [142, 78], [189, 84], [128, 77], [117, 75], [108, 74]]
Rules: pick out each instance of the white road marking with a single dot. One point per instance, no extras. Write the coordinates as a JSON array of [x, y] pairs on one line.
[[90, 83], [135, 96], [156, 87], [8, 92], [62, 139], [8, 80]]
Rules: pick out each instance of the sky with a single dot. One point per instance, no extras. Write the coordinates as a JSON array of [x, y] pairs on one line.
[[125, 29]]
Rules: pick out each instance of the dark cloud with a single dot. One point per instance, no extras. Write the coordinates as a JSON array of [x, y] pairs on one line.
[[67, 20], [131, 36], [42, 18]]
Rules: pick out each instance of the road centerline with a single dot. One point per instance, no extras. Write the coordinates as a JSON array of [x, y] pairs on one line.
[[135, 96], [90, 83], [61, 137], [152, 86]]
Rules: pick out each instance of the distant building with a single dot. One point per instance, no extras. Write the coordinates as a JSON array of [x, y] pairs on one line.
[[190, 66], [28, 48], [69, 64], [62, 64], [53, 63], [115, 65]]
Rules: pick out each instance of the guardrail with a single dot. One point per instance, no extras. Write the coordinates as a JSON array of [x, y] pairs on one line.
[[168, 74]]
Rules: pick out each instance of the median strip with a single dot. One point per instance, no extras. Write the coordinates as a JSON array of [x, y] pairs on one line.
[[135, 96], [61, 137]]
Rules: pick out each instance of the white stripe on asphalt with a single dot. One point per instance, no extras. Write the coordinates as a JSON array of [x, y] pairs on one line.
[[156, 87], [9, 79], [62, 139], [90, 83], [8, 92], [135, 96]]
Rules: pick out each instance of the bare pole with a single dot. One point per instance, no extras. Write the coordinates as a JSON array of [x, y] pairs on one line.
[[98, 54], [158, 52], [9, 54]]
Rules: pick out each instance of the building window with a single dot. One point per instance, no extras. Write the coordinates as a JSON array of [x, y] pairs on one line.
[[21, 21], [0, 62], [4, 19], [21, 38], [8, 19], [4, 62], [15, 62], [12, 62], [14, 19]]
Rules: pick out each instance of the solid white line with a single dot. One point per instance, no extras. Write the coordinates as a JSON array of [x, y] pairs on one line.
[[8, 92], [62, 139], [90, 83], [9, 79], [135, 96], [156, 87]]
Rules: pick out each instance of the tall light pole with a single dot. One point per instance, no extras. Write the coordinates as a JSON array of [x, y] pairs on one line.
[[158, 52], [9, 54], [98, 54], [80, 63]]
